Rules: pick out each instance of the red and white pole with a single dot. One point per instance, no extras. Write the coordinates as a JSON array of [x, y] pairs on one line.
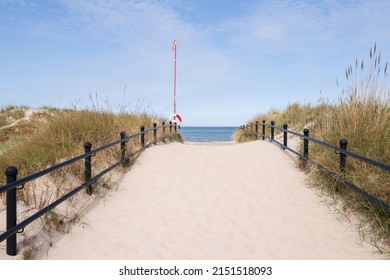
[[174, 78]]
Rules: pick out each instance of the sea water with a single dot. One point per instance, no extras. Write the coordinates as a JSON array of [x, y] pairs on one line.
[[206, 133]]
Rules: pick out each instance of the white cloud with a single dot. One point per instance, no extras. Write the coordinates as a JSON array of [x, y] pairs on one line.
[[290, 25], [146, 30], [129, 22]]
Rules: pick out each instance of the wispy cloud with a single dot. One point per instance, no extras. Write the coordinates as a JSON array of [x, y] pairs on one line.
[[143, 32], [129, 22], [124, 22], [274, 26]]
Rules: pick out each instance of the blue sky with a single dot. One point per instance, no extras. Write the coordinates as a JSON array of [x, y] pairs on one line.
[[235, 59]]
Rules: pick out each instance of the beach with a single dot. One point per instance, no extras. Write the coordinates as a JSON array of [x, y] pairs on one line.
[[235, 201]]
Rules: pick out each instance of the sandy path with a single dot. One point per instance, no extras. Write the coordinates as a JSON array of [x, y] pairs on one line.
[[27, 116], [243, 201]]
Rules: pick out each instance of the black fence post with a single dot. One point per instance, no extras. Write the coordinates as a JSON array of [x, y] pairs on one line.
[[123, 147], [306, 143], [343, 145], [163, 128], [272, 130], [142, 128], [155, 133], [257, 129], [87, 170], [175, 128], [11, 172], [170, 127], [263, 131], [285, 126]]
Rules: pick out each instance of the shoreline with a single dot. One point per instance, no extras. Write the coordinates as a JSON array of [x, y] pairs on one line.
[[210, 143]]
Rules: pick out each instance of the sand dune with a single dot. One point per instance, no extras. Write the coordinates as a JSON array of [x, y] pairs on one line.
[[242, 201]]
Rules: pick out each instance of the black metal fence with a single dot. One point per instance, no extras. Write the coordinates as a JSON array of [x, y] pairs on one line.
[[13, 184], [253, 129]]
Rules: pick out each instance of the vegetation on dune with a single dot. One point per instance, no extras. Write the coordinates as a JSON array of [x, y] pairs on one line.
[[51, 136], [33, 140], [362, 116]]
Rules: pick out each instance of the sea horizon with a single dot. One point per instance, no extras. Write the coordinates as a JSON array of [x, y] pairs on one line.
[[207, 133]]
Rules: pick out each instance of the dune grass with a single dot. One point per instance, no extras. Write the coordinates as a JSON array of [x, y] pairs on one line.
[[53, 136], [361, 115], [50, 136]]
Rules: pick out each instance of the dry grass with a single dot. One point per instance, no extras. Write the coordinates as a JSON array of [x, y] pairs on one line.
[[297, 116], [362, 116], [51, 136], [44, 141]]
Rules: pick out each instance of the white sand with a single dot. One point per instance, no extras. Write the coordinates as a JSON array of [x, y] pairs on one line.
[[243, 201]]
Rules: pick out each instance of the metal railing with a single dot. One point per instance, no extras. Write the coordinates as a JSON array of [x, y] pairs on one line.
[[13, 184], [253, 129]]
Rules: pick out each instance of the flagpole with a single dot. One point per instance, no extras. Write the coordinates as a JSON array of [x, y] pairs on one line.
[[174, 79]]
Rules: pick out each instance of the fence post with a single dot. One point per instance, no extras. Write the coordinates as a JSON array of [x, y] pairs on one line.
[[272, 130], [175, 128], [123, 147], [87, 170], [285, 126], [263, 131], [343, 145], [163, 127], [306, 144], [155, 133], [142, 128], [257, 128], [11, 172], [170, 127]]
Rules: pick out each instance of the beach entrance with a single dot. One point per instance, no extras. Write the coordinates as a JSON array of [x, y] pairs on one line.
[[184, 201]]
